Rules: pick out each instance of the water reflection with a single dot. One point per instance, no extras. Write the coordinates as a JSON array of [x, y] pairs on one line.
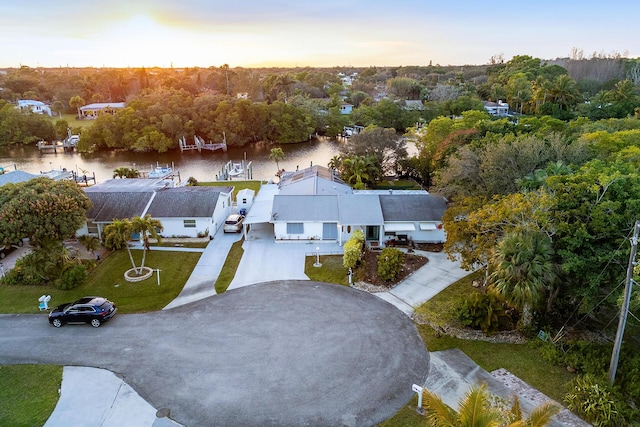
[[202, 166]]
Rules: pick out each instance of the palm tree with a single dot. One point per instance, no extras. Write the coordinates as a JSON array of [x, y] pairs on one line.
[[276, 155], [117, 235], [475, 410], [148, 228], [523, 270], [564, 92], [90, 242]]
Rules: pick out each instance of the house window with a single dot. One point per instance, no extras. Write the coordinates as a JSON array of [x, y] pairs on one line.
[[189, 223], [244, 201], [295, 228], [348, 229], [92, 228]]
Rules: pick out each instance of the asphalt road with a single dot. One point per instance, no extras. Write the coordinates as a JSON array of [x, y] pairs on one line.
[[286, 353]]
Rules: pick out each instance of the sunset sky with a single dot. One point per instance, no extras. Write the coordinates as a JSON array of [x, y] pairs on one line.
[[255, 33]]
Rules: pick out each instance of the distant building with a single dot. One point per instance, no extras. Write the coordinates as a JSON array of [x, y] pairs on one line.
[[498, 109], [346, 108], [37, 107], [92, 111]]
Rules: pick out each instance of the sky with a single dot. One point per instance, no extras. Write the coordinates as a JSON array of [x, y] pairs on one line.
[[319, 33]]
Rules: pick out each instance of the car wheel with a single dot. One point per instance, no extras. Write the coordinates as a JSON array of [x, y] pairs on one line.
[[20, 243], [2, 255], [95, 323], [57, 323]]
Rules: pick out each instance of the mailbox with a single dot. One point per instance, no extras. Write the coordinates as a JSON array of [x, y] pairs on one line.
[[44, 302]]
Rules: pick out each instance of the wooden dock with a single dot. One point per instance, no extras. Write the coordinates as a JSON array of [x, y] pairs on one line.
[[200, 144]]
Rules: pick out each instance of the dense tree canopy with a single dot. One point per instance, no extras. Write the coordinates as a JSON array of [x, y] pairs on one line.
[[41, 209]]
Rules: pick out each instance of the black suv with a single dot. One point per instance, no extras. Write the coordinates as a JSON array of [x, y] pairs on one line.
[[93, 310]]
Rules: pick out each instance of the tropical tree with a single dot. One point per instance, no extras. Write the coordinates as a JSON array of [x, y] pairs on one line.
[[148, 228], [276, 155], [524, 269], [117, 236], [475, 409], [359, 170], [91, 243]]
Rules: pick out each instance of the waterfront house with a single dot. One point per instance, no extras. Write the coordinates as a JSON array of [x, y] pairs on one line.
[[37, 107], [183, 211], [92, 111]]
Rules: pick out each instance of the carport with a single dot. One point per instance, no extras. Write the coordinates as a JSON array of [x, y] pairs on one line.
[[260, 210]]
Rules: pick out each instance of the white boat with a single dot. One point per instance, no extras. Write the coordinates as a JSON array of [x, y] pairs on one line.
[[160, 172], [236, 169]]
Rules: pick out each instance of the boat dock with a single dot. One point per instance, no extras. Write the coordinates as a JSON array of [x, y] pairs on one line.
[[70, 143], [200, 144]]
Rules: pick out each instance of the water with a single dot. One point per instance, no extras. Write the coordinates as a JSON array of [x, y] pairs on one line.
[[202, 166]]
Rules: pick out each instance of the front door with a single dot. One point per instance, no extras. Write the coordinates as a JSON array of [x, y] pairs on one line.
[[373, 233]]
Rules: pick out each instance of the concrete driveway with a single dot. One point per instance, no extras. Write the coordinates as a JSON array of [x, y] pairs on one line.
[[282, 353]]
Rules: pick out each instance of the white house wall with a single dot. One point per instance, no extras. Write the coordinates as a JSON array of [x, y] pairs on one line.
[[174, 227], [312, 231]]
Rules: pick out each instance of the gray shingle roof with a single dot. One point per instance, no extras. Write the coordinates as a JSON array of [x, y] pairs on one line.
[[414, 207], [117, 205], [305, 208], [185, 202]]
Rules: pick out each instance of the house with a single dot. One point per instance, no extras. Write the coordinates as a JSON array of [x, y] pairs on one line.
[[183, 211], [345, 108], [400, 216], [37, 107], [313, 180], [498, 109], [91, 111]]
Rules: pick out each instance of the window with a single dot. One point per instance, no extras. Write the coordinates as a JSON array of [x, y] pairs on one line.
[[244, 201], [295, 228], [189, 223], [92, 228]]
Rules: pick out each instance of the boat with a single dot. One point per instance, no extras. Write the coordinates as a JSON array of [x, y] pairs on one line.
[[236, 169], [160, 172]]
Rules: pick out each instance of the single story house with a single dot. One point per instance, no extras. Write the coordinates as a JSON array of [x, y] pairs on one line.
[[498, 109], [400, 216], [313, 180], [91, 111], [183, 211], [37, 107]]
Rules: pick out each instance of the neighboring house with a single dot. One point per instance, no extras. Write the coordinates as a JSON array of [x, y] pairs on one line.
[[498, 109], [346, 108], [313, 180], [91, 111], [15, 177], [183, 211], [37, 107]]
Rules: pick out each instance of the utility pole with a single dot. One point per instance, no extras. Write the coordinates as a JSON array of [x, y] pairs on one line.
[[625, 305]]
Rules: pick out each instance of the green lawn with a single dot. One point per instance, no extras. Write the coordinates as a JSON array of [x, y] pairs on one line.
[[107, 280], [239, 185], [230, 266], [73, 121], [331, 271], [28, 394]]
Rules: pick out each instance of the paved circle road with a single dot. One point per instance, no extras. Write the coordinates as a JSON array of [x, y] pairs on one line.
[[286, 353]]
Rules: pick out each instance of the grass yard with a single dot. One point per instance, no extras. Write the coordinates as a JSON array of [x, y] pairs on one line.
[[107, 280], [332, 270], [239, 185], [73, 121], [28, 394], [230, 266]]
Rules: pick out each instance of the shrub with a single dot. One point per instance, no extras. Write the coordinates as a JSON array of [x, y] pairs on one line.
[[594, 401], [390, 263], [72, 277], [484, 311], [353, 250]]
